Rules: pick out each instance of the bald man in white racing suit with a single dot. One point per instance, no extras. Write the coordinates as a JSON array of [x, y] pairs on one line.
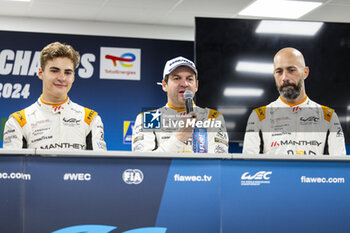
[[293, 124], [305, 128]]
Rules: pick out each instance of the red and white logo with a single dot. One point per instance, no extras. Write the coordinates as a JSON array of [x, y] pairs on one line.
[[275, 144], [120, 63], [295, 109], [57, 108]]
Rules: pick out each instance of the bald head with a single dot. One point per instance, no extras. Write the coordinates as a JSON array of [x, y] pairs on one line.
[[290, 72], [290, 54]]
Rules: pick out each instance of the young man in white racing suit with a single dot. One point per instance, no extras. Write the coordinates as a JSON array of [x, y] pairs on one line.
[[175, 131], [54, 121], [293, 124]]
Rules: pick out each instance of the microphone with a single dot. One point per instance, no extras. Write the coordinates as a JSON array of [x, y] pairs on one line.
[[188, 95]]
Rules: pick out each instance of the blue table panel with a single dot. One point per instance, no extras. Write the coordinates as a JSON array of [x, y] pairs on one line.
[[287, 201], [11, 193], [151, 195]]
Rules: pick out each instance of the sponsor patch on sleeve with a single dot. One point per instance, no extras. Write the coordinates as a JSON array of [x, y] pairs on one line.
[[327, 113], [89, 115], [261, 112], [213, 114], [20, 117]]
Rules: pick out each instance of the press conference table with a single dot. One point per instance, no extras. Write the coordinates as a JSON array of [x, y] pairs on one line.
[[125, 192]]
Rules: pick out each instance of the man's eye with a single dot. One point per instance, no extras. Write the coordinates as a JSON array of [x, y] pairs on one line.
[[54, 71], [68, 72]]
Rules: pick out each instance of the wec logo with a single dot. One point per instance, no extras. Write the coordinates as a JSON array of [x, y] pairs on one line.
[[311, 118], [77, 176], [258, 176], [107, 229], [261, 177]]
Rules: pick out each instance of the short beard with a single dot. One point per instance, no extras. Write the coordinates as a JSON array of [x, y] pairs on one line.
[[289, 90]]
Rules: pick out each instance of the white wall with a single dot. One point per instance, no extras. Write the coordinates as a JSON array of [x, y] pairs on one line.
[[96, 28]]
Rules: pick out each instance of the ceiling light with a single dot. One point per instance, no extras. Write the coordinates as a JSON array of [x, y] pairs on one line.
[[279, 8], [254, 67], [343, 119], [289, 27], [232, 110], [230, 125], [243, 92], [19, 0]]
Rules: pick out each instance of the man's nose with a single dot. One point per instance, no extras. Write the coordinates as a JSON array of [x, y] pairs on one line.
[[184, 83], [285, 76], [61, 76]]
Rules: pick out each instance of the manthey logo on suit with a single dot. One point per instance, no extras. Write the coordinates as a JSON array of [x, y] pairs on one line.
[[120, 63], [107, 229]]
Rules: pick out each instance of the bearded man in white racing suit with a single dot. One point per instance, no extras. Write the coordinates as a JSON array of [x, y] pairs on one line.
[[174, 132], [293, 124], [54, 121]]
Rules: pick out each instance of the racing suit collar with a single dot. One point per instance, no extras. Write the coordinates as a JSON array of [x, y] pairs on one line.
[[292, 105], [178, 109], [55, 108], [53, 105]]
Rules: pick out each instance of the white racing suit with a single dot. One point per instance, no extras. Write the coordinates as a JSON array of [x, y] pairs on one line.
[[163, 139], [306, 128], [67, 126]]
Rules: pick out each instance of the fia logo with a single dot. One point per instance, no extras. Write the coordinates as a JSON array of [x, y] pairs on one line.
[[133, 176], [107, 229], [151, 120]]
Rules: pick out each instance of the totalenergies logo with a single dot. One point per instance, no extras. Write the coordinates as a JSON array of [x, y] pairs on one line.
[[120, 63], [124, 59]]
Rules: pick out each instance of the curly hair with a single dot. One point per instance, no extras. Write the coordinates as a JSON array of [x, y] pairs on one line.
[[58, 49]]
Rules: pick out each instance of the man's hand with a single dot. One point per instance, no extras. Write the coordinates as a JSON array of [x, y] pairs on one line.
[[185, 133]]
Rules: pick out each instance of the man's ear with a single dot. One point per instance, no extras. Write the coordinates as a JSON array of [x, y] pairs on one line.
[[164, 86], [40, 73], [197, 83], [306, 72]]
